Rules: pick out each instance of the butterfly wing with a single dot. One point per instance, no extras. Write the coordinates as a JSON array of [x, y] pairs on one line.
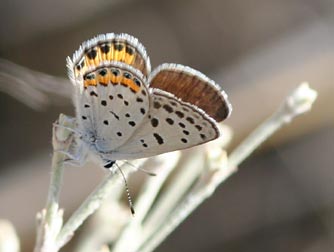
[[192, 86], [170, 125], [111, 96], [110, 111], [121, 118], [107, 48]]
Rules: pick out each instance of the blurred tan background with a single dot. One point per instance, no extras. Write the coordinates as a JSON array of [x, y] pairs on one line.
[[282, 199]]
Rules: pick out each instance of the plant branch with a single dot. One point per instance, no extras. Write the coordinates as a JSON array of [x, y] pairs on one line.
[[297, 103], [50, 218], [91, 204]]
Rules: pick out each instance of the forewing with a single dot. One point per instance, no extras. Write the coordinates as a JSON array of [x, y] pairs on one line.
[[171, 125]]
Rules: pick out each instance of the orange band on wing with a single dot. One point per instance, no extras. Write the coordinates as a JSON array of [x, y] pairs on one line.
[[130, 83], [114, 76], [90, 83]]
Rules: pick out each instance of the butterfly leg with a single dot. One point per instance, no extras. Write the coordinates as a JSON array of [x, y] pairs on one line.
[[76, 155], [67, 128]]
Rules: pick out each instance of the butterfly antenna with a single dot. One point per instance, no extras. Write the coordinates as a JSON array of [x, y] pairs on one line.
[[141, 169], [127, 190]]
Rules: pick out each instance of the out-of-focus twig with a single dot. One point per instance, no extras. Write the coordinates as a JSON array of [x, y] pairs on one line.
[[297, 103], [9, 242], [92, 203], [166, 163], [33, 88]]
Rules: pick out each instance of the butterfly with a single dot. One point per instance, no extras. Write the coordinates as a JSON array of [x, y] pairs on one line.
[[125, 111]]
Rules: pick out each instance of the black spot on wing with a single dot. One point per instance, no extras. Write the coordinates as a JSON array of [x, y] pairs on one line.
[[190, 119], [156, 105], [114, 114], [198, 127], [105, 48], [143, 143], [154, 122], [103, 72], [137, 82], [115, 71], [89, 76], [91, 54], [127, 75], [93, 93], [170, 121], [158, 138], [186, 132], [118, 47], [182, 125], [168, 108], [179, 114], [129, 50]]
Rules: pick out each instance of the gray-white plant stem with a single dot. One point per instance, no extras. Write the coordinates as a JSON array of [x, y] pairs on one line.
[[88, 207], [298, 102], [54, 187], [50, 218], [91, 204], [147, 195], [191, 165]]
